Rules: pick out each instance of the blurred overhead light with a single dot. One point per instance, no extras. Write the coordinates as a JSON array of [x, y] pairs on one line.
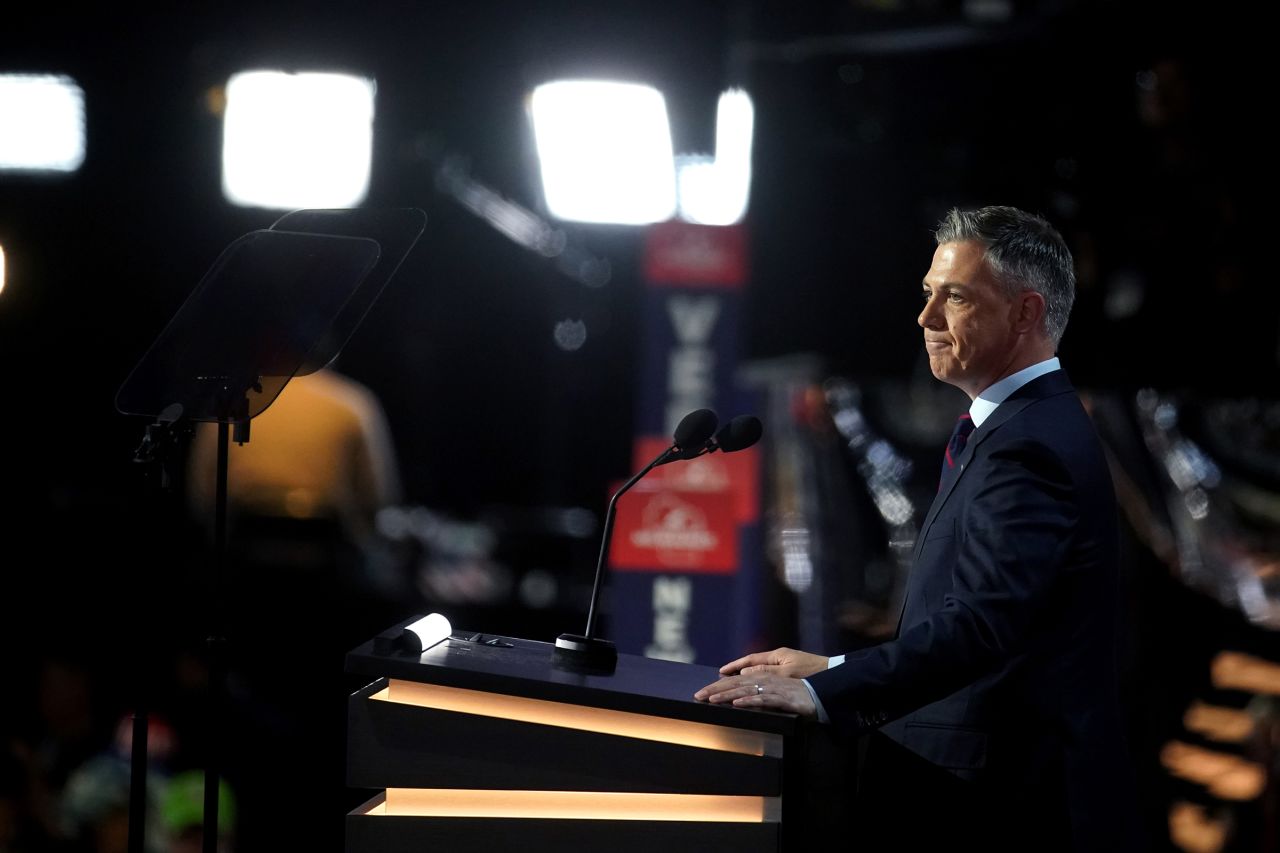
[[715, 191], [297, 140], [1, 269], [605, 151], [41, 123]]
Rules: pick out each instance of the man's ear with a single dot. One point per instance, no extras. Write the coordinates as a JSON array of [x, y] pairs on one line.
[[1028, 311]]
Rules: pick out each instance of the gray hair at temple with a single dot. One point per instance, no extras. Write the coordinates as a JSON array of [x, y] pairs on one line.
[[1024, 252]]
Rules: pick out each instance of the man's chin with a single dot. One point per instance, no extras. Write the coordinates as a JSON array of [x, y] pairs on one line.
[[943, 369], [950, 373]]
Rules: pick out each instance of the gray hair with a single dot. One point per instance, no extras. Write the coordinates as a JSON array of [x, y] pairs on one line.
[[1024, 252]]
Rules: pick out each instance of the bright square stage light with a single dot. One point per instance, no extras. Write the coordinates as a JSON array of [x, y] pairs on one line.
[[41, 123], [297, 140], [715, 191], [605, 151]]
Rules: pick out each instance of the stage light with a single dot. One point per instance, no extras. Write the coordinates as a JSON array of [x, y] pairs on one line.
[[42, 116], [575, 805], [605, 151], [581, 718], [715, 191], [297, 140], [1, 269]]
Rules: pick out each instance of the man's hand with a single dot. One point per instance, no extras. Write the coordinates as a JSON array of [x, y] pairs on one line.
[[767, 680], [763, 691], [789, 662]]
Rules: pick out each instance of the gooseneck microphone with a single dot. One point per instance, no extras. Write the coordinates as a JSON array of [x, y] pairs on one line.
[[738, 434], [694, 432]]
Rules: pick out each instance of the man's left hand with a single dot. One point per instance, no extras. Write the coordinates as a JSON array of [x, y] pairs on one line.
[[761, 691]]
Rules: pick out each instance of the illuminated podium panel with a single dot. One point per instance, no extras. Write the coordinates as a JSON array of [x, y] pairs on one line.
[[497, 747]]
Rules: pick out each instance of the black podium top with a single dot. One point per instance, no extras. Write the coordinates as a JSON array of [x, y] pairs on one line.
[[520, 667]]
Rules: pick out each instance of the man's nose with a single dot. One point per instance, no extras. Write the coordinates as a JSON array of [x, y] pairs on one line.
[[929, 317]]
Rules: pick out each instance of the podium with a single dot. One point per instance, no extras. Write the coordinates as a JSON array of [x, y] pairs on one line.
[[487, 743]]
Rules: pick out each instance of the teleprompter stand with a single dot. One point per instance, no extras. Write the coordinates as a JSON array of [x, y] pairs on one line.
[[276, 303]]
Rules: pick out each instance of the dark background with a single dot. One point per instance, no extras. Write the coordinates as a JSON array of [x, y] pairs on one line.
[[1136, 127]]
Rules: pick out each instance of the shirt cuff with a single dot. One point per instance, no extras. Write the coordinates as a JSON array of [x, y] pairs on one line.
[[813, 694], [817, 703]]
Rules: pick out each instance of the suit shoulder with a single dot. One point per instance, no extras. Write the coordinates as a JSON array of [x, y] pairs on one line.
[[1050, 419]]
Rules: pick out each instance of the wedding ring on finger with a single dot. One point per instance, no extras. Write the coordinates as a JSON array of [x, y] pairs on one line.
[[759, 689]]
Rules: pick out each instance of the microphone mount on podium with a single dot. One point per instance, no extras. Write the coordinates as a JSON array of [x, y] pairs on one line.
[[694, 436]]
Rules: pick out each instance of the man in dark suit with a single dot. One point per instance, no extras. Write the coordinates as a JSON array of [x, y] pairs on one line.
[[994, 709]]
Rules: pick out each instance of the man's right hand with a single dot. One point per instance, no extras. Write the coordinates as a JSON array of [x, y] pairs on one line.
[[784, 661]]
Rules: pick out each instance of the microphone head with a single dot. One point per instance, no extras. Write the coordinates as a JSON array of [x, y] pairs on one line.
[[694, 429], [740, 433]]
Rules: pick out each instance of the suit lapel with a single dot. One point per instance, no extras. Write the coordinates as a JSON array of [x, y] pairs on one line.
[[1048, 385]]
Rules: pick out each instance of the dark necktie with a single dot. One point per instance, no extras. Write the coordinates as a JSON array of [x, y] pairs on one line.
[[959, 435]]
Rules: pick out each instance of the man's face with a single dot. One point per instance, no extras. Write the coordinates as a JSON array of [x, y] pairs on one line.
[[968, 321]]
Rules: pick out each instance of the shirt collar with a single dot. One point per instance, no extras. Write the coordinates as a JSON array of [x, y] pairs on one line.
[[986, 402]]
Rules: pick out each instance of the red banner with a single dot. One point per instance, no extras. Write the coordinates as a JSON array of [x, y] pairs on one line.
[[660, 528], [681, 254], [736, 476]]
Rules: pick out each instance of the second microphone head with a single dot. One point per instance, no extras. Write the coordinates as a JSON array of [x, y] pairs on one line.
[[739, 433]]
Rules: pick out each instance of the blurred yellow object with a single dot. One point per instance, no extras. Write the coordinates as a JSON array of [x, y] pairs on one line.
[[1226, 776], [1192, 830], [1239, 671], [321, 450], [1227, 725]]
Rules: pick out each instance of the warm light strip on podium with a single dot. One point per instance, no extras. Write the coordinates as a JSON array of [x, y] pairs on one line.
[[599, 720], [573, 805]]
